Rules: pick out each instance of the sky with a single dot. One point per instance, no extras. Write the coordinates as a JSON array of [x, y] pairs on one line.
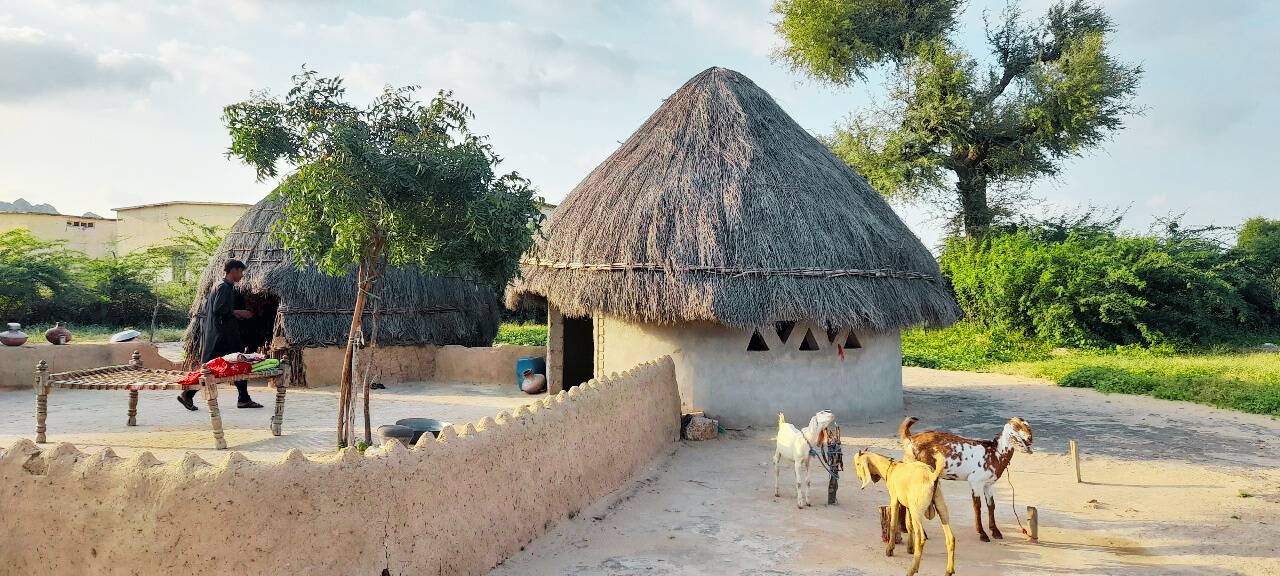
[[106, 104]]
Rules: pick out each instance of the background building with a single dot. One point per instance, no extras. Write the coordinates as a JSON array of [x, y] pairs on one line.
[[134, 229], [93, 235]]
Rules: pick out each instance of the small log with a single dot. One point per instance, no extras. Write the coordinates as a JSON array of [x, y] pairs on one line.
[[1075, 457], [1033, 523]]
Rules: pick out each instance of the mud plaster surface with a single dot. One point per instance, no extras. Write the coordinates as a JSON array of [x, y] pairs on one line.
[[1161, 496]]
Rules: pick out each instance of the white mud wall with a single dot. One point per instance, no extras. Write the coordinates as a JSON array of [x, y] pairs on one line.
[[459, 504], [718, 374]]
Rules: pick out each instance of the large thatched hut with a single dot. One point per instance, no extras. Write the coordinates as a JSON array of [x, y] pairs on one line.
[[300, 309], [724, 234]]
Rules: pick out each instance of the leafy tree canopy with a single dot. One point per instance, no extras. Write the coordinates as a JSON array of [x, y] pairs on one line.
[[399, 180], [951, 127]]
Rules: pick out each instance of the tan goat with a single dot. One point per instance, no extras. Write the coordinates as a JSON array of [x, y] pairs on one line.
[[915, 486]]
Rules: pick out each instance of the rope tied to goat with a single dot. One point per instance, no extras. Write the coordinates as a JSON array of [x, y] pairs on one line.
[[731, 271]]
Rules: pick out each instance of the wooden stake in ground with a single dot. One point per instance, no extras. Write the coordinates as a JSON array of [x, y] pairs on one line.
[[1033, 523], [1075, 457]]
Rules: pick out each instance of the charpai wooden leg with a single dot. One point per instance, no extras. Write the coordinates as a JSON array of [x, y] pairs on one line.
[[215, 415], [42, 411], [41, 389], [277, 421], [133, 408]]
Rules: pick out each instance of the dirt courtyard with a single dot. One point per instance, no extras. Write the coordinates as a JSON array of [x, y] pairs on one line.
[[93, 419], [1169, 488]]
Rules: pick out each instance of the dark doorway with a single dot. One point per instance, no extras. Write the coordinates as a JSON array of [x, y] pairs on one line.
[[579, 351], [256, 332]]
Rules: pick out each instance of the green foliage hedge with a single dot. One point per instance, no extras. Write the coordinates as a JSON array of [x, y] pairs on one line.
[[1089, 286], [43, 282]]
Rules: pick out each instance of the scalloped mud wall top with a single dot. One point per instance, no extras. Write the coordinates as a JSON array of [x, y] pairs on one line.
[[18, 363], [459, 504]]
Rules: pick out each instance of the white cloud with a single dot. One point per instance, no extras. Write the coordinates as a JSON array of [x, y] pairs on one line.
[[220, 71], [744, 24], [494, 61], [36, 64]]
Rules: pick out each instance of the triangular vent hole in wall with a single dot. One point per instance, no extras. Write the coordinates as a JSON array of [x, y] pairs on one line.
[[809, 344], [852, 342], [757, 343], [784, 328]]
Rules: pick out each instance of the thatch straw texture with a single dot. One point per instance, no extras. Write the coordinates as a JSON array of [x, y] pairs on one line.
[[316, 308], [721, 208]]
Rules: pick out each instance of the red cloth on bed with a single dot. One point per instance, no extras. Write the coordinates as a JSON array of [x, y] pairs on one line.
[[220, 368]]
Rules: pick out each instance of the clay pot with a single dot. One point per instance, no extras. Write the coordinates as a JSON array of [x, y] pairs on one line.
[[58, 334], [14, 336]]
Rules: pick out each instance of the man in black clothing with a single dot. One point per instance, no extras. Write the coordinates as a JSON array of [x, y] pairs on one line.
[[220, 333]]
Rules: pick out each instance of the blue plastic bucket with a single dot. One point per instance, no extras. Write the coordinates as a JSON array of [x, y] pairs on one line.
[[535, 363]]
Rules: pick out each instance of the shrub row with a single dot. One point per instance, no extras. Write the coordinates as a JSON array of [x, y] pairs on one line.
[[1089, 286]]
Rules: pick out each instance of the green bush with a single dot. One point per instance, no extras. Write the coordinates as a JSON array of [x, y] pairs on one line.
[[522, 335], [1092, 287], [43, 282], [36, 278]]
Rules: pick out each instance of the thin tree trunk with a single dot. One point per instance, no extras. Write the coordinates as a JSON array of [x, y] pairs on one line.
[[380, 268], [974, 210], [344, 388]]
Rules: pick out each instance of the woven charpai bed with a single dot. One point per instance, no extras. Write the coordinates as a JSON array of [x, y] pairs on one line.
[[133, 377]]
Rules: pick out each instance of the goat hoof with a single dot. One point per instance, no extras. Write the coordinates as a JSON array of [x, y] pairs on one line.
[[983, 537], [997, 535], [888, 552]]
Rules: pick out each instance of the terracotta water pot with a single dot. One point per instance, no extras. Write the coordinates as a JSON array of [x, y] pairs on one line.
[[58, 334], [14, 336]]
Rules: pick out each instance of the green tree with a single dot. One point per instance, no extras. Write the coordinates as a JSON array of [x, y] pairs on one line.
[[953, 131], [398, 183], [122, 288], [191, 246], [1259, 245], [189, 249], [35, 276]]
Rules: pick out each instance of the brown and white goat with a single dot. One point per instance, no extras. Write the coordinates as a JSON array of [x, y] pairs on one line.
[[914, 494], [799, 445], [980, 462]]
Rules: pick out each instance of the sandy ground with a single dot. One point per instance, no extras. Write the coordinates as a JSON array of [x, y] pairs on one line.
[[93, 419], [1161, 495]]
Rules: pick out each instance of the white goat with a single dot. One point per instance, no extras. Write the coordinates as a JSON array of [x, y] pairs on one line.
[[794, 444]]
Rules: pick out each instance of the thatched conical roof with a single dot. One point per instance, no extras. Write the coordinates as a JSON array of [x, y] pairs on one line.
[[721, 208], [316, 308]]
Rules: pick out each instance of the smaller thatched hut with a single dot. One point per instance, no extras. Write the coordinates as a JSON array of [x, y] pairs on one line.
[[297, 309], [725, 235]]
